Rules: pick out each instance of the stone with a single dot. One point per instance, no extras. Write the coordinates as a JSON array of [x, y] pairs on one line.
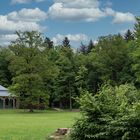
[[60, 133]]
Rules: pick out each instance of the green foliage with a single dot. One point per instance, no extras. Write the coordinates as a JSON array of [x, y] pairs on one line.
[[136, 51], [60, 73], [113, 113], [137, 30], [111, 60], [48, 43], [5, 75], [129, 36], [80, 79], [65, 82], [27, 65], [66, 42]]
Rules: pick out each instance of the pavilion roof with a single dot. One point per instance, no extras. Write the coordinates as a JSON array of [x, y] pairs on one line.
[[3, 88], [4, 91]]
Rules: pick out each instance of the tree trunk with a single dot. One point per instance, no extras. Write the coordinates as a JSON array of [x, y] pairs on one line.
[[31, 110], [70, 102], [60, 105], [70, 98]]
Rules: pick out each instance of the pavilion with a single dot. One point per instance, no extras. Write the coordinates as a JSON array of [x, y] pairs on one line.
[[7, 101]]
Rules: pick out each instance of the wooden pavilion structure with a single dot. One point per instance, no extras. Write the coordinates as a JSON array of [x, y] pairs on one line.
[[7, 101]]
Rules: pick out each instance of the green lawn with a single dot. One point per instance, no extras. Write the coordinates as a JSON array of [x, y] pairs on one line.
[[20, 125]]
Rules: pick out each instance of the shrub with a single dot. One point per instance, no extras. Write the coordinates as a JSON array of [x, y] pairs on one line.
[[112, 114]]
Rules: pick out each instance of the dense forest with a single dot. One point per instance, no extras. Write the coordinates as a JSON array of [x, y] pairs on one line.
[[42, 74]]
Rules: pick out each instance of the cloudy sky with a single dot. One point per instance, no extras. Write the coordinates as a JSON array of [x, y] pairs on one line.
[[79, 20]]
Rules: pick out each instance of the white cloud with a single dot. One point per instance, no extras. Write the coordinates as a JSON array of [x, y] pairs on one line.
[[76, 10], [72, 37], [123, 17], [19, 1], [79, 3], [6, 39], [27, 15], [124, 31], [12, 26], [120, 17], [86, 10], [23, 20], [24, 1], [110, 12]]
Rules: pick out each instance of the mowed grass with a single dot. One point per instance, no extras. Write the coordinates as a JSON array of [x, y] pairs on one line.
[[21, 125]]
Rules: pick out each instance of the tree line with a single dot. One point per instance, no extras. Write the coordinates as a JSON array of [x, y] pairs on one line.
[[42, 74]]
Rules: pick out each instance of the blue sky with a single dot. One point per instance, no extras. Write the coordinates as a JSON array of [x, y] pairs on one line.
[[80, 20]]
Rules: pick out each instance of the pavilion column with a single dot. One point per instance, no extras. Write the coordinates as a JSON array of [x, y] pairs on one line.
[[17, 103], [14, 105], [3, 103]]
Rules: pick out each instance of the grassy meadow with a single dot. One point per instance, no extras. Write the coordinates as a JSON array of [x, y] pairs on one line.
[[21, 125]]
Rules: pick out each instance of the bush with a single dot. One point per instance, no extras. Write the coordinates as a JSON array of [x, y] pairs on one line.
[[112, 114]]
